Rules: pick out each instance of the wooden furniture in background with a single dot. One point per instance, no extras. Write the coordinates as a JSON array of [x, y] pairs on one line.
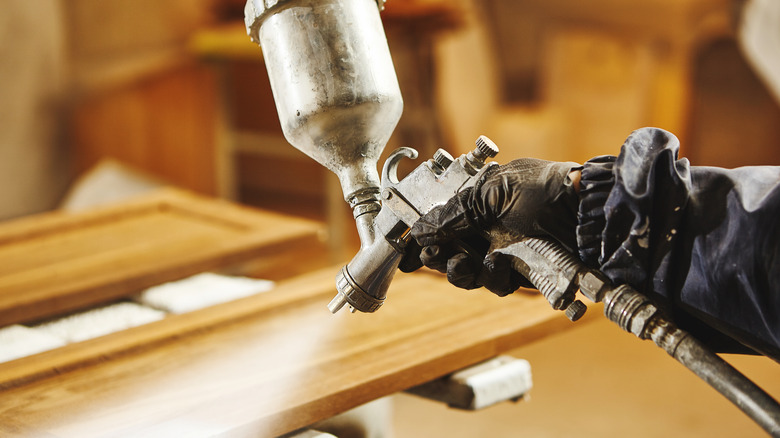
[[577, 78], [135, 94], [162, 124], [734, 121], [59, 262]]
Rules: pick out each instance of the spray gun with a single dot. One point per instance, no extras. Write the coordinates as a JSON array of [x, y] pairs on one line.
[[338, 101], [363, 282]]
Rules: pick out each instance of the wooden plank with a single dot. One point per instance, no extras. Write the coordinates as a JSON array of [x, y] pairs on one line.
[[61, 262], [133, 340], [289, 365]]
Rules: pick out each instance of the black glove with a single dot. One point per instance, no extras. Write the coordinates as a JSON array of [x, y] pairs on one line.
[[527, 197]]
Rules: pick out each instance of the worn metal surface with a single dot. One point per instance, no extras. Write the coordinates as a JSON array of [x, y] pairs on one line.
[[333, 82], [255, 11], [364, 281]]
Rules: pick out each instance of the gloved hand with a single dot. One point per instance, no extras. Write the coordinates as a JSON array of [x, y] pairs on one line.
[[527, 197]]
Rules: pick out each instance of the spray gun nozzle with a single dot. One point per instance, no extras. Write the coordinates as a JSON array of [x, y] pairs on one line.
[[337, 303], [377, 281]]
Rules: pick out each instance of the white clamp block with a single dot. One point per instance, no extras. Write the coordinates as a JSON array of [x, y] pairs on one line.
[[479, 386]]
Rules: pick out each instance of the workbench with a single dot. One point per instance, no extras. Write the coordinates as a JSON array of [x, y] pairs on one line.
[[267, 364]]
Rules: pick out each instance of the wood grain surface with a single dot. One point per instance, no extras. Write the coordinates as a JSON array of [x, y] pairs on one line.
[[59, 262], [270, 369]]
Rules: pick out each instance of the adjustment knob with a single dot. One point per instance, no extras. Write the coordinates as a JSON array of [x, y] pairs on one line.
[[576, 310], [485, 148], [443, 158]]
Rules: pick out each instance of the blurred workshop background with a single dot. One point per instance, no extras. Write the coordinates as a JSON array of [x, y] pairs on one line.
[[173, 91]]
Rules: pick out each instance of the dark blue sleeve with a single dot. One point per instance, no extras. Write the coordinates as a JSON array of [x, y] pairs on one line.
[[703, 242]]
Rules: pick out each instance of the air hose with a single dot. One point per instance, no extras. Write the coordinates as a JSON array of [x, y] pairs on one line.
[[559, 275]]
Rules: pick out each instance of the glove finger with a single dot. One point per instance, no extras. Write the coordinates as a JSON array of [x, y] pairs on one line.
[[446, 222], [411, 261], [462, 271], [498, 276], [436, 257]]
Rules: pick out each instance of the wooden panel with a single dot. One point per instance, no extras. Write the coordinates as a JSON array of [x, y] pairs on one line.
[[77, 355], [272, 368], [60, 262]]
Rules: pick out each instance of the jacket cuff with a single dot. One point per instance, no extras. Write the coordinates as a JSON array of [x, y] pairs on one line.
[[595, 185]]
